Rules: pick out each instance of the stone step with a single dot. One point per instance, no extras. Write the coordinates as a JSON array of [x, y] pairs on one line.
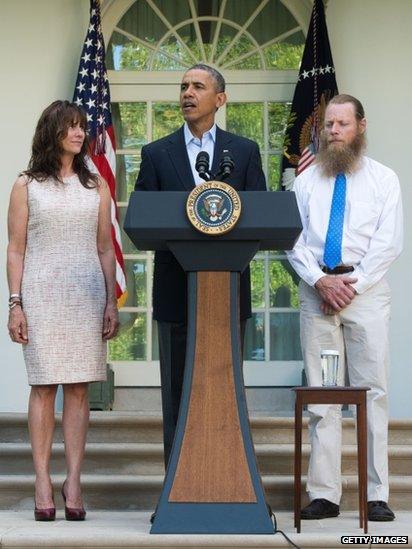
[[125, 458], [133, 427], [110, 530], [147, 459], [267, 430], [141, 492], [278, 459], [104, 427]]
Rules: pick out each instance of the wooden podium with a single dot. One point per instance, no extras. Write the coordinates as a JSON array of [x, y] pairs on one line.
[[212, 482]]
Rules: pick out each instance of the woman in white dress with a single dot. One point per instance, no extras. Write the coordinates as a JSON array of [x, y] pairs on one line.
[[61, 273]]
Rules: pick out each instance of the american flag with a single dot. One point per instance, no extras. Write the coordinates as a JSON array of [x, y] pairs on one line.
[[93, 95], [315, 86]]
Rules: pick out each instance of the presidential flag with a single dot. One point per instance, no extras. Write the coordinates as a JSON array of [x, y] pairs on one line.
[[92, 94], [315, 86]]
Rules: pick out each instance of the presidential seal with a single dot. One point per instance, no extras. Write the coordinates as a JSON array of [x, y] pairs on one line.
[[213, 207]]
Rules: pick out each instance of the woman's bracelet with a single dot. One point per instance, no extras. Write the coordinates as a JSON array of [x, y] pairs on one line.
[[14, 299]]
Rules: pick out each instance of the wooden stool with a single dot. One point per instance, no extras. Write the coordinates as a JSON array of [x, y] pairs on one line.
[[333, 395]]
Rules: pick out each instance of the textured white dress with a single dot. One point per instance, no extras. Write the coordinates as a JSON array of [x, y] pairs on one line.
[[63, 287]]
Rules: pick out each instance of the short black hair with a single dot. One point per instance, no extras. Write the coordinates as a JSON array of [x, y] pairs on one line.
[[215, 74]]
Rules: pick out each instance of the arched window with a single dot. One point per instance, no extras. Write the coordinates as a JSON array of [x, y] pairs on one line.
[[257, 45], [230, 34]]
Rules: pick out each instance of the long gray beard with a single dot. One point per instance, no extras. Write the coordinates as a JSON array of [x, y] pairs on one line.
[[344, 159]]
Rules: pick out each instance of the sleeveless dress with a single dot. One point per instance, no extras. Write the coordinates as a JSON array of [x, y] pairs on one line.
[[63, 287]]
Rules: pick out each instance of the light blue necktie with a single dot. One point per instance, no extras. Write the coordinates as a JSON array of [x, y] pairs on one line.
[[333, 245]]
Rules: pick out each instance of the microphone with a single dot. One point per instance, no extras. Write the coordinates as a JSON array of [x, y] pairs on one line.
[[226, 165], [202, 165]]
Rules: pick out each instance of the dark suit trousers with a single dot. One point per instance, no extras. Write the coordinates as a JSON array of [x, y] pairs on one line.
[[172, 351]]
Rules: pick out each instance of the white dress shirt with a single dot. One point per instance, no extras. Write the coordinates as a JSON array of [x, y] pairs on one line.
[[372, 227], [194, 145]]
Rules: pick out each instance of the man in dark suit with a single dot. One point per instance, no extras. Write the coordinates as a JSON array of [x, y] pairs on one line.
[[169, 165]]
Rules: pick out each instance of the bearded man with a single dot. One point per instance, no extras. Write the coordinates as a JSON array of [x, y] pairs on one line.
[[351, 213]]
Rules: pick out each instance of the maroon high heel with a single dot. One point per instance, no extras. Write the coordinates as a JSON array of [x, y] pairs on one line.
[[44, 515], [72, 513]]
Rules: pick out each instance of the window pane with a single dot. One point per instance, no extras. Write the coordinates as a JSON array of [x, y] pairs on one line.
[[253, 62], [127, 169], [126, 54], [285, 55], [284, 336], [274, 175], [255, 338], [240, 11], [272, 21], [175, 11], [188, 36], [257, 278], [246, 119], [207, 31], [130, 343], [283, 285], [167, 118], [226, 35], [142, 21], [136, 282], [178, 59], [127, 244], [235, 60], [278, 118], [130, 122]]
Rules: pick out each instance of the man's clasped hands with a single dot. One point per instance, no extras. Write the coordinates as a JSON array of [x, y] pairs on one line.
[[336, 292]]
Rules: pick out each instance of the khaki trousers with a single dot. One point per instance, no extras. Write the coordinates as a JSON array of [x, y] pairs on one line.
[[360, 334]]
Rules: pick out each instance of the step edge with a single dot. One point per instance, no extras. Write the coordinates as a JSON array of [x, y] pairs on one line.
[[104, 418]]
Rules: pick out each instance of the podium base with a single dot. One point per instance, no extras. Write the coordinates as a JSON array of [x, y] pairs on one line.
[[212, 518], [212, 483]]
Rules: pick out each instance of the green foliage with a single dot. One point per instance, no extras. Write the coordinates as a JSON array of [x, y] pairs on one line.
[[290, 123], [134, 56], [131, 123], [167, 118], [246, 119], [278, 120], [280, 278], [130, 343], [283, 291], [274, 170], [282, 56], [257, 279], [136, 282]]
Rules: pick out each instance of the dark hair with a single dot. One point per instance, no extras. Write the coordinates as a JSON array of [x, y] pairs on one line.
[[342, 98], [216, 75], [51, 129]]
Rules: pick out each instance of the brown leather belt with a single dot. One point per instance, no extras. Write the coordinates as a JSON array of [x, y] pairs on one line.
[[339, 270]]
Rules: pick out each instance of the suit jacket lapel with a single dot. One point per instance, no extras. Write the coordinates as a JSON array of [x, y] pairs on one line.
[[180, 160], [223, 140]]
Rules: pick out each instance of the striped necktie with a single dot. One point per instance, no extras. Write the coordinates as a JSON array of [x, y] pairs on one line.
[[333, 245]]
